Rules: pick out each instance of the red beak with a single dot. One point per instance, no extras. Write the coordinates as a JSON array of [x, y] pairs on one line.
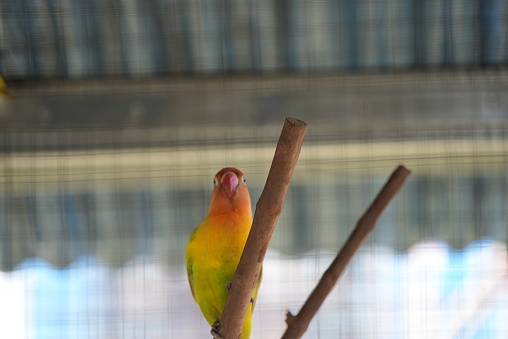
[[229, 182]]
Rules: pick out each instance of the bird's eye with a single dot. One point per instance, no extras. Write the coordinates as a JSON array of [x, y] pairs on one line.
[[215, 181], [244, 180]]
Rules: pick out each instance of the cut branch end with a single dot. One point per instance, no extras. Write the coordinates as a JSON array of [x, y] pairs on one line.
[[297, 325]]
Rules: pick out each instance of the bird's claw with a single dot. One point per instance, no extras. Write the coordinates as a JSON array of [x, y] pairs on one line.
[[215, 330]]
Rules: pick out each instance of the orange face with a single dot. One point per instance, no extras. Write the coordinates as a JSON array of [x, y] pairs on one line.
[[230, 192]]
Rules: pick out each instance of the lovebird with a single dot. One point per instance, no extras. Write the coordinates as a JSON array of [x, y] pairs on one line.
[[216, 245]]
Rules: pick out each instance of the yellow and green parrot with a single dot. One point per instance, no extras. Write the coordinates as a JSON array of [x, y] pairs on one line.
[[4, 91], [216, 245]]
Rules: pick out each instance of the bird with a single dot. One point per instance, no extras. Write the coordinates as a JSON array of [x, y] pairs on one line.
[[216, 245], [4, 91]]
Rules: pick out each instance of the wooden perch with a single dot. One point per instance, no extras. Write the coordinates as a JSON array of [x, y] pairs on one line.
[[268, 210], [297, 325]]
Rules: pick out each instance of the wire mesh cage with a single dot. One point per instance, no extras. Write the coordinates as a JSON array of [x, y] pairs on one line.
[[125, 110]]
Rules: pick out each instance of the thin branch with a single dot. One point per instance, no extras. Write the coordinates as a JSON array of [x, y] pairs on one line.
[[268, 210], [297, 325]]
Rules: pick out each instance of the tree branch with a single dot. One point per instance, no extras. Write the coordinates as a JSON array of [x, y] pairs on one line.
[[297, 325], [268, 210]]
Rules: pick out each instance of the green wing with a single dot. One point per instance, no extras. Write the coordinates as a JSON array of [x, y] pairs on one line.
[[189, 266], [256, 289]]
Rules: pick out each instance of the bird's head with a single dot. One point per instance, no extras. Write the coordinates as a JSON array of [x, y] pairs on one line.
[[230, 191]]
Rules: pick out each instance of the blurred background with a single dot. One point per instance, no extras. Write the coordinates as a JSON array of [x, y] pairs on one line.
[[126, 109]]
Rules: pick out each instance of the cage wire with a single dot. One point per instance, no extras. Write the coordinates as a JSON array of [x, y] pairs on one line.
[[126, 109]]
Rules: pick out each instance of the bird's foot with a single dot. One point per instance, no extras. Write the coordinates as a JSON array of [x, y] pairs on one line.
[[252, 300], [215, 330]]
